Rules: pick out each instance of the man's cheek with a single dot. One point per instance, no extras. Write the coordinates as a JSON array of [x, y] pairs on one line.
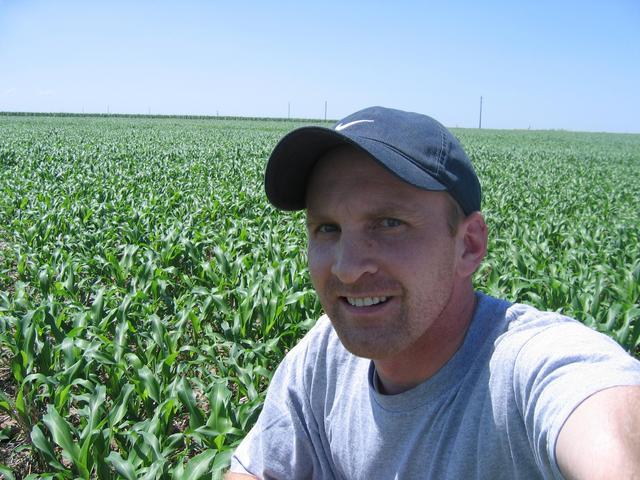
[[318, 266]]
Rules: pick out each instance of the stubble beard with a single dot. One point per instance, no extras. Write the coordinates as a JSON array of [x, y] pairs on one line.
[[376, 343], [400, 329]]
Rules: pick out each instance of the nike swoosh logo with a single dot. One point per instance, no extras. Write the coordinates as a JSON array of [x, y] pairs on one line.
[[342, 126]]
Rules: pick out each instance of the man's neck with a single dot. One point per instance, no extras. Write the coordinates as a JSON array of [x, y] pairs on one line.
[[428, 354]]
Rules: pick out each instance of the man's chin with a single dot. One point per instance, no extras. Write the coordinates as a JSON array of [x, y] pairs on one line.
[[374, 347]]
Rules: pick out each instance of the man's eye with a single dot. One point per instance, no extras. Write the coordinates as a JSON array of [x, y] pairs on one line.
[[327, 228], [390, 222]]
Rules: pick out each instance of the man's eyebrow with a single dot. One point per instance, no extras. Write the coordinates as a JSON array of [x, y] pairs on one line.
[[388, 209], [315, 217], [395, 208]]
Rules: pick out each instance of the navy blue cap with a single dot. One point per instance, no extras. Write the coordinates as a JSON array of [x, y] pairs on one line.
[[414, 147]]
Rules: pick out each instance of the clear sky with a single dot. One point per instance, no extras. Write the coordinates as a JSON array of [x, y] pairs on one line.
[[541, 64]]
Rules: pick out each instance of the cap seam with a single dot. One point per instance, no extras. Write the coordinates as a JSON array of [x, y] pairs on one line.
[[442, 150]]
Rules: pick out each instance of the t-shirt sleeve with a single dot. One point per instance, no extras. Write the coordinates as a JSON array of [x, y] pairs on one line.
[[557, 369], [285, 441]]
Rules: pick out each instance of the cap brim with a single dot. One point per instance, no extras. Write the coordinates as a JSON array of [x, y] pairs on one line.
[[291, 162], [294, 157]]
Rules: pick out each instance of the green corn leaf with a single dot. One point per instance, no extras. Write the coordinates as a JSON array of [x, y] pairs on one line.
[[61, 433], [158, 330], [97, 308], [6, 403], [6, 472], [150, 383], [44, 447], [219, 396], [221, 463], [199, 465], [153, 472], [170, 359], [123, 467], [18, 364], [185, 394], [61, 395], [152, 442], [120, 405], [120, 339], [19, 403], [96, 403]]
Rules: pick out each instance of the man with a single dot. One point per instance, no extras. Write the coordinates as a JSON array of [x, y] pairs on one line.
[[412, 374]]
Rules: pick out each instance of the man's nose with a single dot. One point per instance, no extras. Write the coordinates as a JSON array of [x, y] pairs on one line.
[[354, 257]]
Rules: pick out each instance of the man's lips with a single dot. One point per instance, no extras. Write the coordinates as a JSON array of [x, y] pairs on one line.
[[365, 301]]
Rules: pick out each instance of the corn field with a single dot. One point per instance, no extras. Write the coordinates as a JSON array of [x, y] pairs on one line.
[[148, 290]]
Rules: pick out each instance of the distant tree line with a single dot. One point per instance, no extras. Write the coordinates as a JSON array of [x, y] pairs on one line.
[[139, 115]]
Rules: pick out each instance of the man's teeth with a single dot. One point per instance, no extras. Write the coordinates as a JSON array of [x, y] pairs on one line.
[[365, 301]]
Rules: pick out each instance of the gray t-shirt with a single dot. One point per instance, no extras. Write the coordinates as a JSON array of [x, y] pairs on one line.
[[494, 410]]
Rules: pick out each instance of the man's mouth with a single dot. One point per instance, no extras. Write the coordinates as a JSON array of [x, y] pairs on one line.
[[365, 301]]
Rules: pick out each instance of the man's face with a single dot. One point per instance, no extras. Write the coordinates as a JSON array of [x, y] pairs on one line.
[[381, 255]]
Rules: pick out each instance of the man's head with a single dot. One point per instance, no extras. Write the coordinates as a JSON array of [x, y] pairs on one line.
[[415, 148], [390, 261]]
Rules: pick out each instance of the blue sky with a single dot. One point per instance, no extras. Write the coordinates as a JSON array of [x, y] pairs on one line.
[[571, 65]]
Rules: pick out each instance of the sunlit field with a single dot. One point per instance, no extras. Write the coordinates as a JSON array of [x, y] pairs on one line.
[[148, 290]]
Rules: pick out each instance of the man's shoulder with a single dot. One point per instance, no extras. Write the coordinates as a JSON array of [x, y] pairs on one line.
[[519, 331], [536, 338], [518, 316], [533, 324], [511, 320]]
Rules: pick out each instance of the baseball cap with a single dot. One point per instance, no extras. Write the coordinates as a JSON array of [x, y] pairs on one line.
[[414, 147]]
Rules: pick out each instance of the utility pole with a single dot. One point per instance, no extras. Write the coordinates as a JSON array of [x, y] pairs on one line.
[[325, 110], [288, 110], [480, 121]]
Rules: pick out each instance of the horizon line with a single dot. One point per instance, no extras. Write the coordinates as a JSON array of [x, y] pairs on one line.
[[258, 118]]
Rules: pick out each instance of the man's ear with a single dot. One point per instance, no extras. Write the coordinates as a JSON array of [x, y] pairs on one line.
[[472, 237]]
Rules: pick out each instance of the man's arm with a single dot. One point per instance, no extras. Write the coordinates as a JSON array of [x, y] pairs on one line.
[[238, 476], [601, 438]]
